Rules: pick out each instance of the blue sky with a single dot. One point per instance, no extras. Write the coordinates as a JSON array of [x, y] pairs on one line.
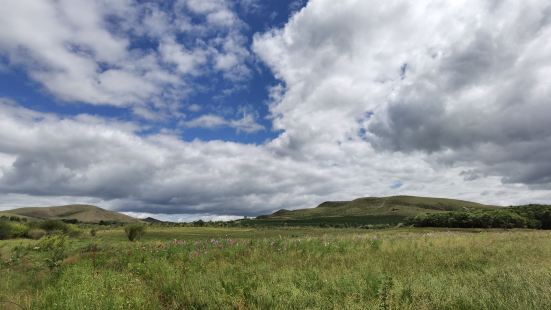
[[218, 109], [214, 94]]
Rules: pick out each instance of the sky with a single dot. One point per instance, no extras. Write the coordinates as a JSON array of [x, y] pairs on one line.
[[219, 109]]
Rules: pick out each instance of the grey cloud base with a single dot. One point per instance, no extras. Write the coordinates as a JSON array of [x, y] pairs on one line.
[[485, 99], [48, 160]]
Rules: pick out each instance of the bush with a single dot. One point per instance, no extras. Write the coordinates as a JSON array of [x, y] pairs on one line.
[[55, 246], [12, 230], [5, 230], [93, 232], [73, 231], [199, 223], [52, 226], [108, 223], [58, 227], [70, 221], [134, 231], [36, 233]]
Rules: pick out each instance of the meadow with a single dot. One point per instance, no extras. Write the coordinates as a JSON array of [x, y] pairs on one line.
[[280, 268]]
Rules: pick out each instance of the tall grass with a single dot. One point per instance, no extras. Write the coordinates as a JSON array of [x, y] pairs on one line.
[[391, 269]]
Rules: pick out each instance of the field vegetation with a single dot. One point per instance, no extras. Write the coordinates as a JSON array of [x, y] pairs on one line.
[[398, 252], [278, 268]]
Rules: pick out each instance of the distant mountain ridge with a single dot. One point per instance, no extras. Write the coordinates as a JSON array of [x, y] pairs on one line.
[[79, 212], [150, 219], [372, 210]]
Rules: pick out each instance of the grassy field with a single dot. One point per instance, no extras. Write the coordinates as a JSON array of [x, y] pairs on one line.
[[286, 268]]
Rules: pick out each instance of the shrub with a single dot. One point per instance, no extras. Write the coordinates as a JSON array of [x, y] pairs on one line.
[[52, 226], [12, 230], [108, 223], [36, 233], [199, 223], [93, 232], [73, 231], [58, 227], [55, 246], [70, 221], [134, 231], [5, 230]]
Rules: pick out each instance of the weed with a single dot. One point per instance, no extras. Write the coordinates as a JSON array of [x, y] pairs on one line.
[[385, 292], [375, 243]]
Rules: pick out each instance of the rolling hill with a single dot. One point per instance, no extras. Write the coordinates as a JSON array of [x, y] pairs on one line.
[[369, 210], [82, 213]]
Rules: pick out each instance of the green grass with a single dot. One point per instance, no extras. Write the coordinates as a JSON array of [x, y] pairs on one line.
[[283, 268]]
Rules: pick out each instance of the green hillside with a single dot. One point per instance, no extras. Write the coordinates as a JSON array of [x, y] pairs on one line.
[[370, 210], [82, 213]]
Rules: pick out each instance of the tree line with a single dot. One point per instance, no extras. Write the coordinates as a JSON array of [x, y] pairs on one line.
[[528, 216]]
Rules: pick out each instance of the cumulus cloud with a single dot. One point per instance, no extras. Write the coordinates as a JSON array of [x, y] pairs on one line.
[[46, 159], [44, 155], [463, 82], [123, 53], [210, 121]]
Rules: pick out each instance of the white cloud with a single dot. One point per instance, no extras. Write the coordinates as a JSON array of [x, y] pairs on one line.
[[94, 52], [187, 61], [206, 121], [194, 107], [296, 5], [48, 160], [246, 124], [461, 83], [205, 6], [250, 6]]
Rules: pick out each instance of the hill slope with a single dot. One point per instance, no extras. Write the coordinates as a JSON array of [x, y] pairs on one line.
[[370, 210], [82, 213]]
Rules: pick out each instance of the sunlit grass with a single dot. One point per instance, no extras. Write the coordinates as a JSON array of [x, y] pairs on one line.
[[215, 268]]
